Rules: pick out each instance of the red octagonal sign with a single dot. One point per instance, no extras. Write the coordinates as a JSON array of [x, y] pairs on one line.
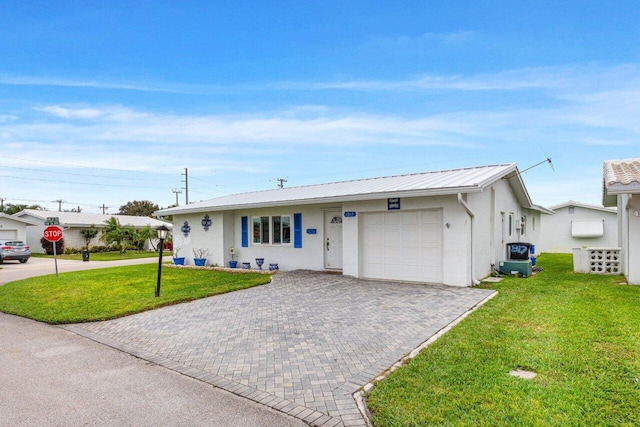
[[52, 233]]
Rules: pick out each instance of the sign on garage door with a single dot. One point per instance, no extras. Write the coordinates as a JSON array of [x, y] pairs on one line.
[[402, 245]]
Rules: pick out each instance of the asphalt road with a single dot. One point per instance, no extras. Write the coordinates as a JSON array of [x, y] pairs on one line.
[[13, 270], [50, 376]]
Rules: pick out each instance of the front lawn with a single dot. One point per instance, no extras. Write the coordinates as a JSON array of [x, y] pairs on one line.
[[580, 333], [108, 293]]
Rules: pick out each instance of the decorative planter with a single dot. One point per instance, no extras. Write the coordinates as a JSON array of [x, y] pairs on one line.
[[178, 261], [246, 265], [200, 262], [273, 267], [233, 264], [259, 262]]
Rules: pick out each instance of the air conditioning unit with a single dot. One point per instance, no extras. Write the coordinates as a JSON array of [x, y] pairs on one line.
[[522, 268]]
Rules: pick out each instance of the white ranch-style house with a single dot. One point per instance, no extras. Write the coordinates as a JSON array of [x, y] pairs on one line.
[[73, 223], [575, 224], [449, 227]]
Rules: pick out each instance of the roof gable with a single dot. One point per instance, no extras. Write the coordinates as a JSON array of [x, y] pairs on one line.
[[583, 206], [17, 219], [446, 182]]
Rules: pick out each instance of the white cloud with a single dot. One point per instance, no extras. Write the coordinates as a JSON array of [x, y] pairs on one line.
[[68, 113], [95, 84]]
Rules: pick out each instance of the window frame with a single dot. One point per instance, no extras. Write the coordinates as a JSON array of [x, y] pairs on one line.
[[265, 227]]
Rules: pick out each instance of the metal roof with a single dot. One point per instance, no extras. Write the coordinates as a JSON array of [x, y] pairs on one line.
[[581, 205], [465, 180], [81, 219], [17, 219], [620, 177]]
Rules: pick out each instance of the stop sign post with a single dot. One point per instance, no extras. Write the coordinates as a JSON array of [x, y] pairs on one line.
[[53, 234]]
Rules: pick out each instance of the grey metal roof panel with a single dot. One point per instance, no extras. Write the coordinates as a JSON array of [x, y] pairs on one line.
[[428, 183]]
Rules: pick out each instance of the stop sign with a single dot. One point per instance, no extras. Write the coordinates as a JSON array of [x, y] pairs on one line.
[[52, 233]]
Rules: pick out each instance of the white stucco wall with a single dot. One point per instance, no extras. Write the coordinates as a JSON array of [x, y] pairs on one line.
[[12, 227], [226, 232], [72, 238], [556, 228], [630, 236]]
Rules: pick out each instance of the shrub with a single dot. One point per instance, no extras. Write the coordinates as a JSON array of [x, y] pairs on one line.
[[48, 246]]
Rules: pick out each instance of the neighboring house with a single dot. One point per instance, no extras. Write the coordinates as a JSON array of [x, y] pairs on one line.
[[12, 228], [436, 227], [575, 224], [73, 222], [621, 189]]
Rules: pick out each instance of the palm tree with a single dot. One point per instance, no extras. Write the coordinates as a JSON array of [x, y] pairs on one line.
[[114, 233]]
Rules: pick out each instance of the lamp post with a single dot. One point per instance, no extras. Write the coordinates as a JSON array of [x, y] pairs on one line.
[[162, 234]]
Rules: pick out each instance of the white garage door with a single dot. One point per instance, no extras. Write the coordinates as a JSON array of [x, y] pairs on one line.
[[8, 234], [402, 245]]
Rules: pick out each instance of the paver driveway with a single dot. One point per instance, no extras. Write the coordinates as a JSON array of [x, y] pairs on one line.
[[303, 344]]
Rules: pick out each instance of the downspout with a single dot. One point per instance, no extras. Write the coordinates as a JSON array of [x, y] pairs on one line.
[[626, 250], [472, 216]]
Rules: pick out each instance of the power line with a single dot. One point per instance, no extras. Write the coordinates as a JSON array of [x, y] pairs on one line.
[[70, 165], [64, 173], [81, 183]]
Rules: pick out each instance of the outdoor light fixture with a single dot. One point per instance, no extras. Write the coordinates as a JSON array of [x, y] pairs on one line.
[[162, 234]]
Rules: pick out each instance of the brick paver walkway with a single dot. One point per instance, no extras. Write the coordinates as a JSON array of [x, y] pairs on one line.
[[303, 344]]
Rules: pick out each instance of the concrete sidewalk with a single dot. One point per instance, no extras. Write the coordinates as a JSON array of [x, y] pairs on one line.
[[49, 376]]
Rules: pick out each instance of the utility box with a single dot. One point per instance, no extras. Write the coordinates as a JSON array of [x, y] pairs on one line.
[[516, 267]]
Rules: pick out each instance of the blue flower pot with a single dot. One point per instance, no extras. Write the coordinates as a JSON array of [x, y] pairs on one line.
[[200, 262], [233, 264], [178, 261]]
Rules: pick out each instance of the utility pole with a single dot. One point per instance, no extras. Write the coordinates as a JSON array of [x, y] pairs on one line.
[[281, 182], [104, 209], [176, 192], [186, 186], [59, 202]]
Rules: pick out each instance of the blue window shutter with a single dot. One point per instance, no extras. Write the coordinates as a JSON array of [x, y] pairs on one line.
[[297, 230], [245, 231]]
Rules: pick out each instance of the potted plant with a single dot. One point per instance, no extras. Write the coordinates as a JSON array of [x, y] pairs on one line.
[[200, 256], [177, 260], [233, 263]]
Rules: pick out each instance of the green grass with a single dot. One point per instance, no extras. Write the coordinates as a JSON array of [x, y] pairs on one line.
[[580, 333], [106, 256], [109, 293]]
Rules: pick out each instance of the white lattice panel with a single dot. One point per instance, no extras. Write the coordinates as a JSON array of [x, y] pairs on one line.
[[604, 261]]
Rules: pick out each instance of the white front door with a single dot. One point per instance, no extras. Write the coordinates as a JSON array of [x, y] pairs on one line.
[[333, 240]]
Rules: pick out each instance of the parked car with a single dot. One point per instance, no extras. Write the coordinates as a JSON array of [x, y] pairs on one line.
[[15, 250]]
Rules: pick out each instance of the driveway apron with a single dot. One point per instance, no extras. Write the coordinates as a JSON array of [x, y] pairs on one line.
[[303, 344]]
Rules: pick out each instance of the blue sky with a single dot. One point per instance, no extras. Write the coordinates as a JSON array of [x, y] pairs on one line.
[[109, 102]]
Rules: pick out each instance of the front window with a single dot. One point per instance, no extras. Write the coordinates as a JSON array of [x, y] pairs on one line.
[[275, 230], [261, 230], [511, 224]]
